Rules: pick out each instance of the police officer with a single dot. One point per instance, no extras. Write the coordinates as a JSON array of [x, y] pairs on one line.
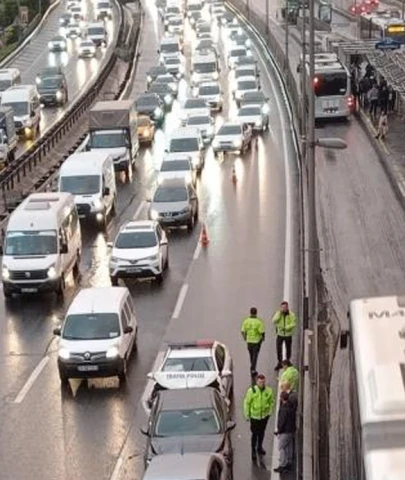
[[290, 374], [253, 333], [258, 405], [285, 322]]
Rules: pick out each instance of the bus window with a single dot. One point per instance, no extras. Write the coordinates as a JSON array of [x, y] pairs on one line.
[[326, 85]]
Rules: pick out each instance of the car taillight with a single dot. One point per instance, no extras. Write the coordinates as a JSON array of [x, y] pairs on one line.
[[351, 102]]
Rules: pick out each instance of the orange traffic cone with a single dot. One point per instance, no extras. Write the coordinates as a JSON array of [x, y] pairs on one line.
[[234, 177], [204, 237]]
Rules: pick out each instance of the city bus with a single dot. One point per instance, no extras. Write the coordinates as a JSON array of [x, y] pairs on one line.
[[331, 85], [376, 339], [383, 24]]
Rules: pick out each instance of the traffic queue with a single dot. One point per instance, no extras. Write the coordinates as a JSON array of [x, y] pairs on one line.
[[191, 402]]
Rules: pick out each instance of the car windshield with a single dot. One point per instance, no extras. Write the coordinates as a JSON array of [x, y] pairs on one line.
[[249, 111], [175, 166], [58, 39], [169, 48], [195, 103], [74, 26], [257, 97], [170, 194], [19, 108], [247, 85], [178, 423], [230, 130], [245, 73], [205, 44], [198, 120], [176, 21], [96, 31], [39, 242], [206, 67], [178, 145], [160, 88], [212, 90], [103, 5], [108, 140], [4, 84], [136, 240], [194, 7], [50, 82], [80, 184], [91, 326], [329, 84], [172, 61], [86, 44], [147, 102], [238, 52], [196, 364]]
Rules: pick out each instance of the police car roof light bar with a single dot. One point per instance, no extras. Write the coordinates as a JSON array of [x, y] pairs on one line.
[[195, 344]]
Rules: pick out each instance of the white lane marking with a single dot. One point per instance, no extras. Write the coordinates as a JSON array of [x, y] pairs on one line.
[[139, 209], [117, 469], [180, 301], [197, 251], [31, 380]]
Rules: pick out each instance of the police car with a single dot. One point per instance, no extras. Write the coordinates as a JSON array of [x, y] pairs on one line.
[[199, 364]]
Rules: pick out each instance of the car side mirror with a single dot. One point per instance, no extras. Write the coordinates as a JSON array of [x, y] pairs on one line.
[[164, 242], [106, 191], [109, 244], [57, 331], [150, 375], [128, 329], [230, 425], [64, 248], [344, 339], [226, 373], [145, 431], [259, 87], [158, 51]]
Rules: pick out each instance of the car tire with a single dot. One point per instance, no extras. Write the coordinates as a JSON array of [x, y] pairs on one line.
[[166, 266], [76, 266], [114, 207], [60, 292], [159, 278], [123, 375], [64, 379], [114, 281], [190, 224], [7, 293]]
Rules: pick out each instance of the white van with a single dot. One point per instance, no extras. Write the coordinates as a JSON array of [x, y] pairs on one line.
[[97, 32], [90, 177], [188, 141], [25, 102], [9, 77], [98, 334], [204, 68], [169, 47], [42, 245]]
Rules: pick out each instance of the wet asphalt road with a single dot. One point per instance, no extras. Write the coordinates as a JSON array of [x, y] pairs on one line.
[[81, 434], [79, 72]]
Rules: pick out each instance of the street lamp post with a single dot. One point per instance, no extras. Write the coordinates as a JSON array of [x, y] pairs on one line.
[[286, 63], [267, 20], [304, 78]]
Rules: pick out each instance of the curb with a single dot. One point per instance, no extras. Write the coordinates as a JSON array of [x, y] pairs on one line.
[[28, 39]]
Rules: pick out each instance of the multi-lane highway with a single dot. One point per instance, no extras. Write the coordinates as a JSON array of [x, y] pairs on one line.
[[79, 72], [252, 259]]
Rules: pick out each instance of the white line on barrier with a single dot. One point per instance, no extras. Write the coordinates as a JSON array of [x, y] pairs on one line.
[[31, 380]]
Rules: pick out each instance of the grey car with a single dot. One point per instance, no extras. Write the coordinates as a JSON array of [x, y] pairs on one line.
[[176, 466], [193, 420], [175, 204]]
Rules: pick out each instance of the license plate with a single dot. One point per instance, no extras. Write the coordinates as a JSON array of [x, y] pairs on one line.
[[88, 368], [82, 216], [29, 290], [134, 270]]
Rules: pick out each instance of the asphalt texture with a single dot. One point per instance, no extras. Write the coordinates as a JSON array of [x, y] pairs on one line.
[[92, 430], [79, 72], [361, 229]]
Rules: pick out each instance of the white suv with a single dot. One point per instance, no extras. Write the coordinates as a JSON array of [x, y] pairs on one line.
[[140, 250]]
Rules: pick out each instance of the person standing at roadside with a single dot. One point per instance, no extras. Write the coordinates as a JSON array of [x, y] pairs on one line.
[[253, 332], [286, 426], [258, 405], [285, 322]]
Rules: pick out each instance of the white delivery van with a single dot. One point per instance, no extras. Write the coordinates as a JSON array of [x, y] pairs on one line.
[[90, 177], [98, 334], [42, 244], [9, 77], [26, 105], [204, 68], [188, 141], [169, 47]]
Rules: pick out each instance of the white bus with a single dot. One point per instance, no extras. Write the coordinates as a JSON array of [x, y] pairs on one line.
[[332, 86], [377, 355]]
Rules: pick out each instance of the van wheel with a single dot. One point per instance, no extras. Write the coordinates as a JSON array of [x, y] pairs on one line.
[[61, 289], [76, 267], [159, 278], [7, 293], [114, 281], [167, 262], [64, 379], [190, 224], [128, 172], [114, 207], [122, 376]]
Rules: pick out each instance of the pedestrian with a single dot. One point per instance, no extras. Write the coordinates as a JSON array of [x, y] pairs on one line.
[[285, 431], [258, 405], [253, 332], [285, 322], [292, 396], [392, 96], [373, 96], [383, 96], [290, 374], [382, 129]]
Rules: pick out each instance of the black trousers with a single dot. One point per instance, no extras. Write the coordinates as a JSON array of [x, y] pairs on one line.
[[279, 343], [258, 429], [253, 349]]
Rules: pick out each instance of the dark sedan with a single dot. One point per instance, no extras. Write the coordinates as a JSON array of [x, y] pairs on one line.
[[189, 421], [151, 105], [154, 72], [165, 93]]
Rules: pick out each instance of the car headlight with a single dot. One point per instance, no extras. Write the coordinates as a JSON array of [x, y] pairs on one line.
[[152, 258], [50, 45], [157, 112], [5, 273], [154, 215], [210, 130], [237, 143], [98, 204], [59, 95], [52, 273], [114, 259], [182, 69], [258, 123], [168, 99], [248, 43], [185, 210], [149, 78], [194, 77], [265, 109], [112, 352], [215, 143], [38, 80], [215, 75], [188, 178], [64, 354]]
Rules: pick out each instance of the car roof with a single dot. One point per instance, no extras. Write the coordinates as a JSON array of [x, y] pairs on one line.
[[186, 397], [178, 466], [138, 225], [97, 299], [148, 95], [173, 182]]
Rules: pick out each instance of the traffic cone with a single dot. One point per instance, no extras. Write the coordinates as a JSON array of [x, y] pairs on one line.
[[234, 177], [204, 237]]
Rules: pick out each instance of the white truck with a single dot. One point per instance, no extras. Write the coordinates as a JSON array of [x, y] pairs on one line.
[[8, 135], [113, 129]]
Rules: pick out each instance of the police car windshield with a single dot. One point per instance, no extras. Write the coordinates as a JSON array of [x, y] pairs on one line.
[[91, 326], [136, 240], [80, 184], [178, 423], [195, 364], [42, 242]]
